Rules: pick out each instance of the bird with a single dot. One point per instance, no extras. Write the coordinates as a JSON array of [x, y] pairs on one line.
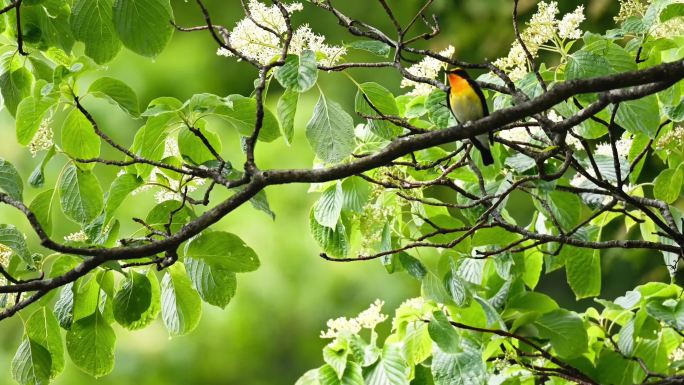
[[467, 103]]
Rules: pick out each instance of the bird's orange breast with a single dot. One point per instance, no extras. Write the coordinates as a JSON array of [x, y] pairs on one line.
[[458, 84]]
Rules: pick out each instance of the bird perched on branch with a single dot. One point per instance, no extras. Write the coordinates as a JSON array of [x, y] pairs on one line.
[[467, 102]]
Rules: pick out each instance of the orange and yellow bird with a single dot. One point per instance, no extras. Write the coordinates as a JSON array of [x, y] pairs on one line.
[[467, 102]]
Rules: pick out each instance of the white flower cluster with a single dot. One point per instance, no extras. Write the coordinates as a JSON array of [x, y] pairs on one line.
[[677, 354], [262, 45], [534, 133], [5, 254], [172, 189], [542, 28], [673, 139], [78, 236], [429, 68], [622, 145], [43, 138], [629, 8], [367, 319]]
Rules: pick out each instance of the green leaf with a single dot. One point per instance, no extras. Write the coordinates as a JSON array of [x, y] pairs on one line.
[[31, 364], [671, 11], [391, 369], [215, 284], [584, 64], [352, 375], [144, 26], [41, 207], [159, 216], [10, 181], [612, 368], [668, 184], [355, 194], [443, 333], [640, 116], [438, 112], [669, 311], [118, 92], [193, 148], [121, 186], [336, 354], [134, 304], [80, 195], [375, 47], [14, 239], [150, 140], [90, 343], [566, 332], [583, 267], [65, 305], [333, 241], [79, 139], [433, 288], [242, 116], [15, 86], [330, 131], [30, 114], [225, 250], [181, 305], [40, 357], [91, 23], [37, 177], [287, 108], [328, 208], [463, 368], [384, 102], [299, 73]]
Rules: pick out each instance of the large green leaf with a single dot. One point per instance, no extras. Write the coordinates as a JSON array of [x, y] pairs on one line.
[[299, 73], [242, 116], [11, 237], [391, 369], [43, 329], [566, 332], [352, 375], [214, 283], [225, 250], [121, 186], [381, 103], [443, 333], [80, 195], [91, 23], [438, 111], [669, 311], [41, 206], [118, 93], [583, 268], [135, 304], [463, 368], [90, 343], [144, 26], [150, 140], [181, 305], [15, 86], [332, 241], [330, 131], [10, 181], [640, 116], [287, 108], [30, 114], [31, 364], [79, 139], [192, 146], [328, 208], [668, 185]]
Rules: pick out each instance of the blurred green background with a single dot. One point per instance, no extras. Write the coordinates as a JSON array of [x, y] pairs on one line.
[[269, 333]]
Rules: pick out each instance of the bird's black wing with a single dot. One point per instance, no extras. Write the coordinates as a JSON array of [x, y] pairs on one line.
[[483, 101], [478, 91], [448, 102]]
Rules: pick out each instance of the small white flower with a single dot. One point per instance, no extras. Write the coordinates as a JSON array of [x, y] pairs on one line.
[[371, 317], [673, 139], [677, 354], [263, 46], [622, 146], [5, 254], [341, 327], [43, 138], [78, 236], [568, 27], [429, 68]]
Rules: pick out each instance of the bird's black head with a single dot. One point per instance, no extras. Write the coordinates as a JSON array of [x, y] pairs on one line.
[[459, 72]]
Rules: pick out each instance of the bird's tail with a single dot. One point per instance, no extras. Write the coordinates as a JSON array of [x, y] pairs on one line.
[[482, 144]]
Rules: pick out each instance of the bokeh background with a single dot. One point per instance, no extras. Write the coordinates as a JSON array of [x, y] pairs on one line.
[[269, 333]]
